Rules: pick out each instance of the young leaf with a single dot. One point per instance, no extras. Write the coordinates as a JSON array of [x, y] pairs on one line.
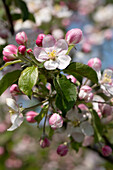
[[28, 79], [98, 128], [39, 117], [66, 93], [8, 80], [10, 63], [82, 70]]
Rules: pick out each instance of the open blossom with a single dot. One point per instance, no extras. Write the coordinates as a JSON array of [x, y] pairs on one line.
[[21, 38], [106, 81], [53, 53], [9, 52], [15, 115], [55, 121], [74, 36]]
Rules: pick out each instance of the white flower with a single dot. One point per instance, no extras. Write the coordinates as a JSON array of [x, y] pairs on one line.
[[106, 81], [53, 53], [15, 115]]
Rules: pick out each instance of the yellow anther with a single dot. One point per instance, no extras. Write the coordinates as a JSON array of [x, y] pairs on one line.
[[107, 78], [52, 55]]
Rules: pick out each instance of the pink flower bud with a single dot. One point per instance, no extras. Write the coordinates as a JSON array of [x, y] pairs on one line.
[[86, 88], [44, 142], [6, 59], [30, 116], [83, 107], [85, 93], [14, 90], [106, 150], [39, 39], [9, 52], [22, 49], [2, 150], [55, 121], [95, 63], [21, 38], [73, 79], [74, 36], [86, 48], [29, 51], [62, 150], [106, 110]]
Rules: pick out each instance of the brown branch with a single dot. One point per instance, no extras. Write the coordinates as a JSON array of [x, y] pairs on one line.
[[8, 16]]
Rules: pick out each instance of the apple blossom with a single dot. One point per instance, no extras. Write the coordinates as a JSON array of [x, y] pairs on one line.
[[14, 90], [29, 51], [85, 93], [106, 81], [10, 51], [53, 53], [62, 150], [15, 115], [73, 36], [55, 121], [6, 59], [106, 150], [44, 142], [73, 79], [21, 38], [86, 47], [39, 39], [22, 49], [95, 63], [30, 116]]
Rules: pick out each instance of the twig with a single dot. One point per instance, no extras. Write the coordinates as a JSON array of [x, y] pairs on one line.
[[8, 16]]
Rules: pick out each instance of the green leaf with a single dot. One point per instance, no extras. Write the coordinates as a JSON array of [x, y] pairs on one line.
[[82, 70], [16, 16], [8, 80], [31, 17], [66, 94], [10, 63], [28, 79], [51, 133], [98, 128], [43, 112], [22, 5]]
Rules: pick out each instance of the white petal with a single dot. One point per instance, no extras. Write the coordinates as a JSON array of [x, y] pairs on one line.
[[13, 117], [63, 61], [61, 47], [86, 128], [77, 135], [12, 104], [110, 90], [40, 54], [18, 121], [48, 41], [51, 65]]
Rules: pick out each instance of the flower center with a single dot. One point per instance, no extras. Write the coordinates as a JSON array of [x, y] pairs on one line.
[[107, 79], [52, 55]]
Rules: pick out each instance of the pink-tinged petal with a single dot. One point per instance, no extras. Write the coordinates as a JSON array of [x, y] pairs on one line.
[[16, 122], [51, 65], [48, 41], [40, 54], [63, 61], [61, 47]]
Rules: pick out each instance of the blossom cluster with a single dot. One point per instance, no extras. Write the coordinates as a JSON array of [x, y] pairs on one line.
[[69, 94]]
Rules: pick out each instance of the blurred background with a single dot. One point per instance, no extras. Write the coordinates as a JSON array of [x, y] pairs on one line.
[[20, 149]]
